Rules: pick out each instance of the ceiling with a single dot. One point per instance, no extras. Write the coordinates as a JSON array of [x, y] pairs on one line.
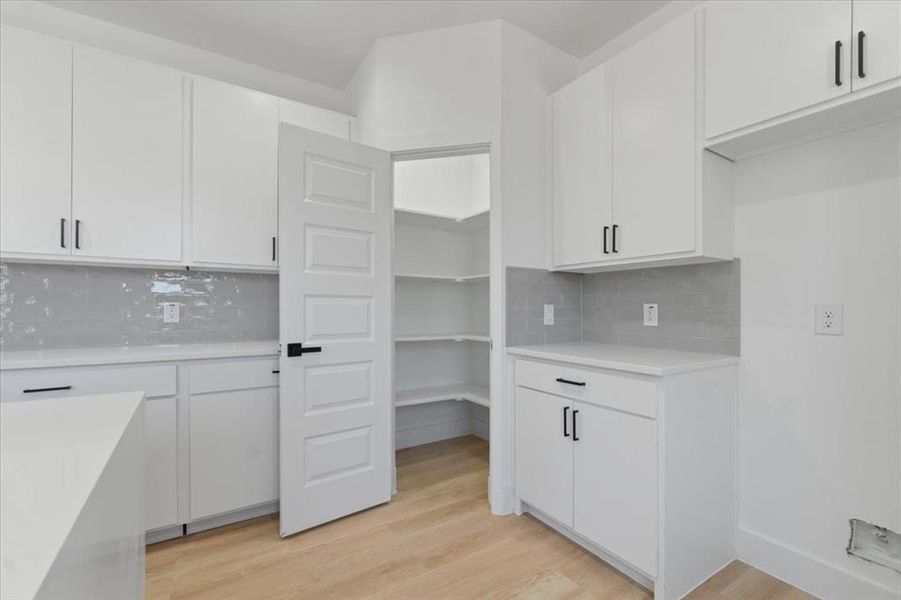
[[325, 40]]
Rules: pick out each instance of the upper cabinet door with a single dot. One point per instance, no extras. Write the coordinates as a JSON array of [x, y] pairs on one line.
[[35, 143], [127, 158], [581, 168], [235, 156], [768, 58], [876, 42], [655, 143]]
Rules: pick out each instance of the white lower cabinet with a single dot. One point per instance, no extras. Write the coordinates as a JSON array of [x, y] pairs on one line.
[[158, 382], [544, 456], [160, 463], [233, 436], [615, 482], [639, 469], [210, 433]]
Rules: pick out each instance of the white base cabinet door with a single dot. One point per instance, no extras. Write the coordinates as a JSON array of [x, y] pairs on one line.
[[126, 159], [768, 58], [615, 483], [35, 144], [234, 450], [161, 463], [544, 453]]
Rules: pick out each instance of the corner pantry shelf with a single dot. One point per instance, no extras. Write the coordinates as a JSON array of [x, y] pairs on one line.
[[453, 278], [443, 337], [477, 394]]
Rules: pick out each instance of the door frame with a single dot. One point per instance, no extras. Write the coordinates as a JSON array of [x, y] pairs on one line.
[[500, 465]]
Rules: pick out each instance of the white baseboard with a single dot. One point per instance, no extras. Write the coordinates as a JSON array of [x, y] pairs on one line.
[[806, 572], [431, 432], [480, 429], [161, 535], [233, 517]]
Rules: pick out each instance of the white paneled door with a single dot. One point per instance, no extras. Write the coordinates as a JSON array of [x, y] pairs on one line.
[[335, 401]]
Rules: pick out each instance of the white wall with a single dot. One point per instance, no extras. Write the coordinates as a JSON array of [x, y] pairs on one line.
[[820, 416], [451, 186], [430, 89], [532, 69], [81, 29]]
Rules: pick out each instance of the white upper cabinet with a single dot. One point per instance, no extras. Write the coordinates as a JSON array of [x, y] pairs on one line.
[[235, 155], [655, 144], [126, 158], [632, 184], [582, 189], [768, 58], [35, 144], [876, 42]]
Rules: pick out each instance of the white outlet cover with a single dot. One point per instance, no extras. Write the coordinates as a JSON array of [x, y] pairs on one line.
[[650, 315], [171, 312], [829, 319], [548, 314]]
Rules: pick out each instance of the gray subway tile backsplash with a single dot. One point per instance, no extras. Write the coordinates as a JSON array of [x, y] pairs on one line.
[[66, 306], [698, 307]]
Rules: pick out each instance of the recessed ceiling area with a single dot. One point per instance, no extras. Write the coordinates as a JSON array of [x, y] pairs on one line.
[[325, 41]]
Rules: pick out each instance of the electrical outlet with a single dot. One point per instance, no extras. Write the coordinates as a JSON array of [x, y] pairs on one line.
[[171, 312], [650, 315], [548, 314], [829, 319]]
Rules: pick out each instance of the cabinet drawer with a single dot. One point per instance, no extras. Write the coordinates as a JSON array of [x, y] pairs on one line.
[[154, 380], [242, 374], [622, 391]]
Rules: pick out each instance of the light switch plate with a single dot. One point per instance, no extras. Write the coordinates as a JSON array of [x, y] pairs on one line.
[[650, 315], [829, 319], [171, 312], [548, 314]]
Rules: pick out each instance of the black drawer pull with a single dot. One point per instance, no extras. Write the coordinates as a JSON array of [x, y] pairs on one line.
[[47, 389], [275, 371], [571, 382]]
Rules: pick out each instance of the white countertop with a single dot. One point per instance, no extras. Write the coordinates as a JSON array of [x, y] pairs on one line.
[[77, 357], [52, 452], [648, 361]]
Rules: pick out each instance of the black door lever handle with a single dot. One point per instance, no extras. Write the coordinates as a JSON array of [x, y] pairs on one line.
[[297, 349]]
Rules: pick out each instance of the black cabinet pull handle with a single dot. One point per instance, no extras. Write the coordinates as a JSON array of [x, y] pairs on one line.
[[62, 233], [571, 382], [575, 435], [606, 229], [565, 429], [838, 63], [273, 248], [860, 37], [77, 234], [615, 249], [275, 371], [47, 389]]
